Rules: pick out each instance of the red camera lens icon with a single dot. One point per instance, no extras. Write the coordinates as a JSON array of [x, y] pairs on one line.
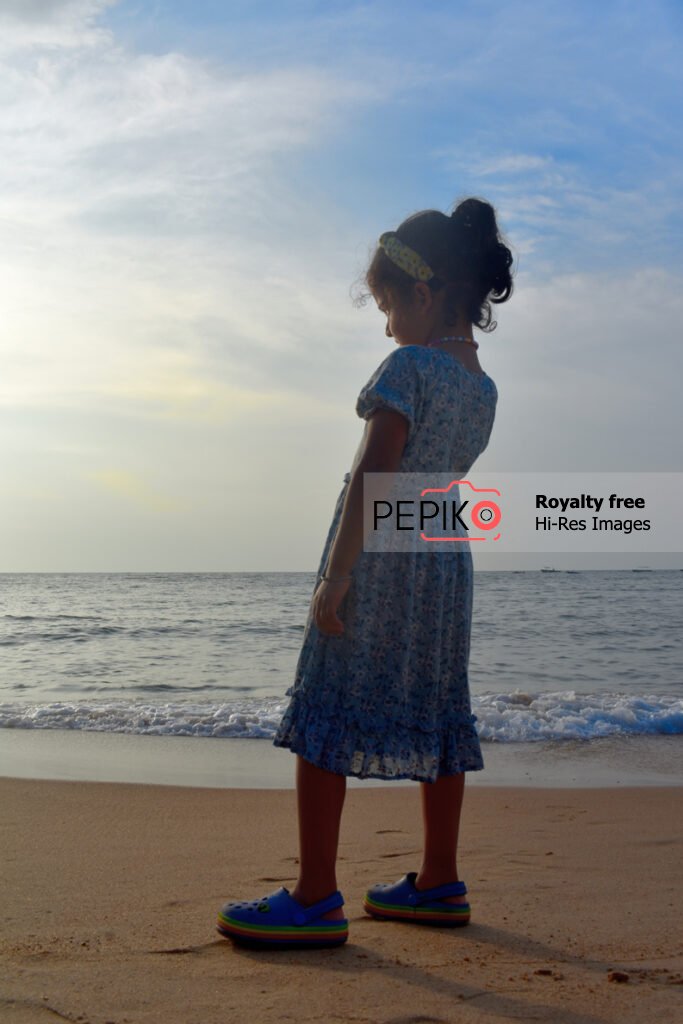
[[484, 513]]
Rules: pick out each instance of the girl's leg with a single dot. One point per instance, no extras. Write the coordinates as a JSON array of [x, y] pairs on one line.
[[441, 806], [320, 800]]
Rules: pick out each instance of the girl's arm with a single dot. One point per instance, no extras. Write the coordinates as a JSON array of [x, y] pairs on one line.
[[385, 439], [386, 436]]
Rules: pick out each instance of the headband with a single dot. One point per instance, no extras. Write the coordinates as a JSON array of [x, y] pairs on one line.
[[406, 258]]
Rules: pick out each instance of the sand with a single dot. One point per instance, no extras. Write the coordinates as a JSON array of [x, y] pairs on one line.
[[110, 893]]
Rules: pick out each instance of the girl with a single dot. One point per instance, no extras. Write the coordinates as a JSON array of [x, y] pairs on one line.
[[381, 687]]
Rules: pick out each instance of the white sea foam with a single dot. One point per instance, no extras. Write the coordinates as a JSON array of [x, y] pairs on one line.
[[254, 719], [501, 717], [524, 717]]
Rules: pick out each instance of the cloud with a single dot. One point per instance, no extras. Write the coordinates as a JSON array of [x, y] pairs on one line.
[[510, 163], [158, 253], [588, 372], [46, 11], [561, 216], [124, 484], [118, 127], [30, 26]]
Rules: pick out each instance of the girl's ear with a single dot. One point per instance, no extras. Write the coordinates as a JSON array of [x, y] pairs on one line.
[[423, 295]]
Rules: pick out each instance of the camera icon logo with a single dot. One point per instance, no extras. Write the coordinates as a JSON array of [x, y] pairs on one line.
[[484, 512]]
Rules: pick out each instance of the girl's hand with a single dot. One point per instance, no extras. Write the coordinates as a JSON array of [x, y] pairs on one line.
[[326, 601]]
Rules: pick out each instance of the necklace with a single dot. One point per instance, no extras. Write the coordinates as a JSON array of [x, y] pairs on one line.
[[453, 337]]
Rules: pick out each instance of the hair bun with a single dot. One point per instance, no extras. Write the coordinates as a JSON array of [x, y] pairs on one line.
[[476, 234], [475, 223]]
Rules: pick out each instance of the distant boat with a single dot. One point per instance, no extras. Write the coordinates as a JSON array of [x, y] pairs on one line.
[[644, 569], [548, 569]]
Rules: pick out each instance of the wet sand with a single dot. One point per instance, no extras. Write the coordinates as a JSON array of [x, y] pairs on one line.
[[245, 763]]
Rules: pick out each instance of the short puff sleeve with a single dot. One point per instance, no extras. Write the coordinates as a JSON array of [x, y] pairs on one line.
[[396, 384]]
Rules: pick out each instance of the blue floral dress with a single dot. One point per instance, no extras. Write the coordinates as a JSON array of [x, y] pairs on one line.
[[389, 698]]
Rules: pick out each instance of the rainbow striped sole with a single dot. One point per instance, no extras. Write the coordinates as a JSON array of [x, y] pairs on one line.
[[450, 915], [332, 934]]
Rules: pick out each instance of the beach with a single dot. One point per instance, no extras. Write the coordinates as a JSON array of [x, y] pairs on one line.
[[140, 791], [111, 892]]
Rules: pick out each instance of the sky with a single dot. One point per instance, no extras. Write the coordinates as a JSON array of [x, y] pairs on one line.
[[189, 192]]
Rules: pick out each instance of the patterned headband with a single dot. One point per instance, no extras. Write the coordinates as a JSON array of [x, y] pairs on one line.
[[405, 257]]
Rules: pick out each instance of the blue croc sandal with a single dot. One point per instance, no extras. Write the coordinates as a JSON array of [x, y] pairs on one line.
[[403, 902], [280, 920]]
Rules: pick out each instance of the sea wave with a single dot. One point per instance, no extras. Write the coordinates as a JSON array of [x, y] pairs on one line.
[[524, 717], [501, 717]]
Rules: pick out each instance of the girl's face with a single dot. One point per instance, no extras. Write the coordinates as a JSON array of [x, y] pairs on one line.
[[405, 318]]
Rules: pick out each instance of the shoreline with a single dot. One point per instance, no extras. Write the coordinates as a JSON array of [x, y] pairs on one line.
[[112, 891], [241, 763]]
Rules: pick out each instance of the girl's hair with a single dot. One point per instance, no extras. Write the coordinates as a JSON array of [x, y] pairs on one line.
[[467, 254]]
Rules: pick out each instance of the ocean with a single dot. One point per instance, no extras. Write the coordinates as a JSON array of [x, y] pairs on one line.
[[587, 663]]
